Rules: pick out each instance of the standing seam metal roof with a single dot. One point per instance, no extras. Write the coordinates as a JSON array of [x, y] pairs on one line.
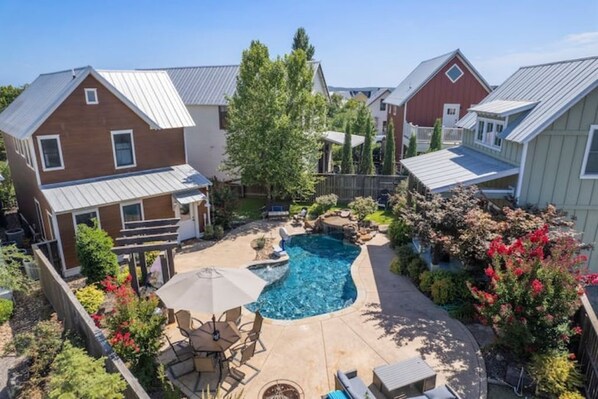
[[556, 87]]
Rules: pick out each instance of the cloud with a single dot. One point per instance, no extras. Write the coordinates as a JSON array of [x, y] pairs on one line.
[[497, 68]]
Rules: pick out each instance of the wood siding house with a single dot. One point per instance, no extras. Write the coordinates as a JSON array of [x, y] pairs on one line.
[[534, 138], [443, 87], [378, 107], [87, 144]]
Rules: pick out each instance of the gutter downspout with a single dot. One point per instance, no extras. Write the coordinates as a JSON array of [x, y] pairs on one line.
[[521, 171]]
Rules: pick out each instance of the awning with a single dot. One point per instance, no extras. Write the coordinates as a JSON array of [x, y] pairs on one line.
[[188, 197], [442, 170], [503, 107], [339, 138]]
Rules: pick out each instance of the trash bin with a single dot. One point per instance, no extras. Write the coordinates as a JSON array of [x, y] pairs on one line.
[[15, 235], [31, 269]]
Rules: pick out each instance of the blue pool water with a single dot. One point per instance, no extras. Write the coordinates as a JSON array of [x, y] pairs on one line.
[[318, 281]]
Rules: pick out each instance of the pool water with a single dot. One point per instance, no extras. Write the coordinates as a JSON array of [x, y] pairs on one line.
[[318, 281]]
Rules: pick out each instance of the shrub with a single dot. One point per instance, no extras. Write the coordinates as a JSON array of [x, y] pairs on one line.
[[75, 374], [225, 202], [555, 373], [398, 233], [91, 298], [323, 203], [11, 276], [415, 268], [150, 257], [218, 232], [444, 291], [405, 255], [571, 395], [208, 232], [260, 242], [464, 312], [94, 251], [426, 279], [6, 309], [363, 206]]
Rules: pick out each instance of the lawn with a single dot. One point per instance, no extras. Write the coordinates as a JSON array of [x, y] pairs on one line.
[[250, 208], [380, 217]]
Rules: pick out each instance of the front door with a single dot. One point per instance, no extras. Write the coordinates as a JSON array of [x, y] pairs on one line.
[[188, 223], [450, 115]]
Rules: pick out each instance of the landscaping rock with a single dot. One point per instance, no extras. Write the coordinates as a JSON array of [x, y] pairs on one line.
[[383, 228]]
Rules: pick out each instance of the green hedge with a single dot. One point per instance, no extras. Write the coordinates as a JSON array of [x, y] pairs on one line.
[[6, 309]]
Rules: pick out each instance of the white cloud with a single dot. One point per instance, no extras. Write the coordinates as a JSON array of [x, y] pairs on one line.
[[496, 69]]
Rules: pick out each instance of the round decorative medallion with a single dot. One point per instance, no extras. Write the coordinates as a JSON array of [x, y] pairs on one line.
[[281, 389]]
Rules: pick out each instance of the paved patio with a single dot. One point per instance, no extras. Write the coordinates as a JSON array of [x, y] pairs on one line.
[[390, 321]]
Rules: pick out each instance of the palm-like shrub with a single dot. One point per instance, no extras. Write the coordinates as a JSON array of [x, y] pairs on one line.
[[555, 374]]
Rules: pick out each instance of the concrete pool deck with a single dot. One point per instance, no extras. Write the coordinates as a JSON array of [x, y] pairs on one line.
[[390, 321]]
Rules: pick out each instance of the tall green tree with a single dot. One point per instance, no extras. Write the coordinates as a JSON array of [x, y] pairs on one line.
[[301, 42], [361, 119], [436, 140], [8, 95], [275, 123], [388, 167], [347, 162], [412, 148], [366, 163]]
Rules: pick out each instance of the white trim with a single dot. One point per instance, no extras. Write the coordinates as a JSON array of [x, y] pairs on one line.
[[51, 224], [208, 207], [88, 210], [35, 165], [130, 132], [59, 242], [95, 94], [41, 151], [521, 172], [135, 202], [460, 70], [582, 174], [73, 271], [495, 122], [40, 218]]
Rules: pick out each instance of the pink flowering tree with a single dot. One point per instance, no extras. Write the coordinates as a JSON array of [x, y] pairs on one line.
[[534, 289]]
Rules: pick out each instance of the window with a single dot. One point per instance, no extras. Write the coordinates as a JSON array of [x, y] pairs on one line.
[[589, 168], [451, 111], [384, 126], [131, 212], [86, 218], [91, 96], [382, 105], [488, 132], [124, 149], [454, 73], [17, 144], [222, 113], [50, 152], [28, 157]]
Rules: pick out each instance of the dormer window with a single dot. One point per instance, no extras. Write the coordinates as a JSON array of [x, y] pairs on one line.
[[488, 132], [589, 167], [454, 73], [91, 96]]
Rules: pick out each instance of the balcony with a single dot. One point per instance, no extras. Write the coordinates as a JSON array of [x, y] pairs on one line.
[[451, 136]]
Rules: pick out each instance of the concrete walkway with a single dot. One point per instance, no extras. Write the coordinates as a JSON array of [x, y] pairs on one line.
[[390, 321]]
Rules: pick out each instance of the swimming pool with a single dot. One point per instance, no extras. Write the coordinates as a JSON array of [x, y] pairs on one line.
[[318, 280]]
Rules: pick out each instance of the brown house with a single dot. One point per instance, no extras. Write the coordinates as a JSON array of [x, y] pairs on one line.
[[444, 87], [87, 144]]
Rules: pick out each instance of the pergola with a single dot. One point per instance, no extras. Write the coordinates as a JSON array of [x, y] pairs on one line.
[[140, 237]]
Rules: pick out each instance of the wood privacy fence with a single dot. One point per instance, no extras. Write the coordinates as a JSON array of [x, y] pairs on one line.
[[588, 347], [347, 187], [75, 318]]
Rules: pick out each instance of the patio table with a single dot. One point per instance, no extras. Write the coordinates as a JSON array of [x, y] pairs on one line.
[[202, 340], [398, 379]]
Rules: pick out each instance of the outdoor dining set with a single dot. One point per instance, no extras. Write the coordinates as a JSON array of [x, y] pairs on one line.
[[220, 344]]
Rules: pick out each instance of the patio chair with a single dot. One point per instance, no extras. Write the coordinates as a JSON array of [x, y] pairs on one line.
[[182, 349], [256, 328], [383, 199], [233, 315], [185, 322], [246, 352]]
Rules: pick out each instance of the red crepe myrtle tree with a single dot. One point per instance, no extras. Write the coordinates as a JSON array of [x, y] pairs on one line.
[[534, 289]]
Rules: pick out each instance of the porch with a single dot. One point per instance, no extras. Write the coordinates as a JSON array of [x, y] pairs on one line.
[[451, 136]]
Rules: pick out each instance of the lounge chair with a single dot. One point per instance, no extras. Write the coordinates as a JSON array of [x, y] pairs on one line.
[[185, 322], [256, 328], [383, 199], [277, 211], [441, 392], [351, 385]]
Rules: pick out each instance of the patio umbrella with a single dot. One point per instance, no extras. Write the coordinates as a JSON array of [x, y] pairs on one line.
[[211, 290]]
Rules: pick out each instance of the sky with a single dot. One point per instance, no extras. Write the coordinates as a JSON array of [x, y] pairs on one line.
[[360, 43]]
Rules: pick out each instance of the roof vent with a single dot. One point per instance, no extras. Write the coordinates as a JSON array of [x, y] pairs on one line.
[[73, 72]]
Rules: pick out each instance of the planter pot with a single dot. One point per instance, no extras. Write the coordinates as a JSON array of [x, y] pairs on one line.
[[32, 270], [16, 236], [5, 293]]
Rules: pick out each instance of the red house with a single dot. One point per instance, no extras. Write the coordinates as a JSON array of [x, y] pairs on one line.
[[442, 87]]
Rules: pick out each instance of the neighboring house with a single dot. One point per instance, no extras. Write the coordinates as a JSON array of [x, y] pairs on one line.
[[377, 107], [442, 87], [88, 144], [204, 90], [534, 138]]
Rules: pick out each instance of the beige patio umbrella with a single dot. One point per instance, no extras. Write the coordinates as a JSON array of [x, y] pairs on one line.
[[211, 290]]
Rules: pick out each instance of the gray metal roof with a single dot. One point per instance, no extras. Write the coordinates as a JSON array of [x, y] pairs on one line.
[[188, 197], [150, 95], [503, 107], [339, 138], [91, 193], [377, 95], [210, 85], [422, 74], [556, 87], [442, 170]]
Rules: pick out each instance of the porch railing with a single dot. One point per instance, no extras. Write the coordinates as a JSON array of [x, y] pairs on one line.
[[451, 136]]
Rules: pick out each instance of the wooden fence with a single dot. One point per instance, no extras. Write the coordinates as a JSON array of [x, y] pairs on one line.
[[348, 187], [587, 354], [75, 318]]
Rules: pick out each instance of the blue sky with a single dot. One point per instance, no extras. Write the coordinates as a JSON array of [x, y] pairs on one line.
[[360, 43]]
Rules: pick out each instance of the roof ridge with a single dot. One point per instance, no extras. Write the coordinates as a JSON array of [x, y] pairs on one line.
[[66, 70], [560, 62], [130, 70], [207, 66], [454, 52]]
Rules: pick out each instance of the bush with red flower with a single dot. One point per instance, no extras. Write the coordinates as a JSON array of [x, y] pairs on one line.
[[533, 291]]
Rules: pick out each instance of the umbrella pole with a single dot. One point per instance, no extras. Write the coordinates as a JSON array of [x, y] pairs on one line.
[[215, 333]]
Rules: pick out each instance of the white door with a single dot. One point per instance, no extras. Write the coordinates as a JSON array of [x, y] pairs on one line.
[[188, 222], [450, 116]]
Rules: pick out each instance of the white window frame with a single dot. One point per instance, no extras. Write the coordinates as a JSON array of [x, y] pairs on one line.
[[40, 218], [122, 214], [460, 70], [495, 122], [95, 94], [87, 210], [17, 145], [583, 174], [129, 131], [41, 151], [51, 224]]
